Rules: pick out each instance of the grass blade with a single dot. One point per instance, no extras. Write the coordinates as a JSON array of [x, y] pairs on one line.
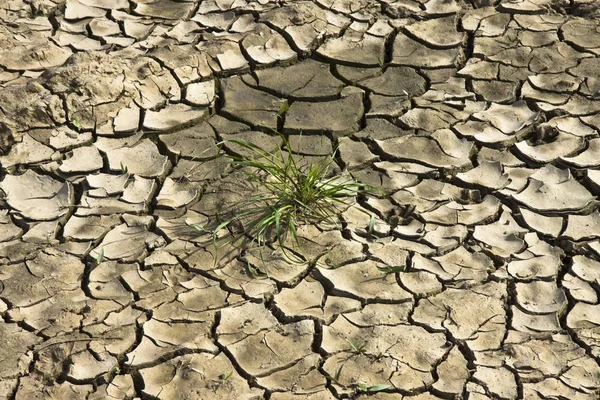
[[100, 257], [198, 228], [292, 227], [278, 224], [338, 373], [378, 388]]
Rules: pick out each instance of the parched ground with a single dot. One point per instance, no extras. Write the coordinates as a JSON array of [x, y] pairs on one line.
[[479, 119]]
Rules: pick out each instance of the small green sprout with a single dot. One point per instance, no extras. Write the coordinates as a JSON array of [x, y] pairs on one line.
[[372, 389], [355, 347], [329, 260], [338, 374], [371, 224], [392, 270], [199, 228], [100, 257], [225, 377], [283, 108]]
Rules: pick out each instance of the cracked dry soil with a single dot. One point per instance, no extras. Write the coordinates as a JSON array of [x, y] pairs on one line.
[[480, 119]]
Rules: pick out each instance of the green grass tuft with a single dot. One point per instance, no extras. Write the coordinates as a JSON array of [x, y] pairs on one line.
[[289, 195]]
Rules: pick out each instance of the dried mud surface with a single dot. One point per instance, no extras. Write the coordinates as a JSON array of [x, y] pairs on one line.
[[479, 119]]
